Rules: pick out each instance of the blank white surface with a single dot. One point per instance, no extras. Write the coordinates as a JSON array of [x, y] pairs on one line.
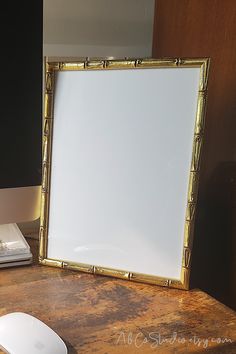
[[121, 158]]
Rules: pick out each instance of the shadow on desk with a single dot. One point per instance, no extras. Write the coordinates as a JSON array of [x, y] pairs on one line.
[[71, 350]]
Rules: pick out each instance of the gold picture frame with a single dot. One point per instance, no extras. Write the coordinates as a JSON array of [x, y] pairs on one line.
[[51, 69]]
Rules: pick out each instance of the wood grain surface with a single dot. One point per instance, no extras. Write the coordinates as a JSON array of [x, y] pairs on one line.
[[96, 314]]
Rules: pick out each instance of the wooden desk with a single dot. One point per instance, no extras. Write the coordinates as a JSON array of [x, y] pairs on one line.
[[105, 315]]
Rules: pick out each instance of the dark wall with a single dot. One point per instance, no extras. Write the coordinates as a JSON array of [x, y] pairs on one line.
[[207, 28], [21, 87]]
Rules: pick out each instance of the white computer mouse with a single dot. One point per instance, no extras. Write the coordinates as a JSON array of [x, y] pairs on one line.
[[21, 333]]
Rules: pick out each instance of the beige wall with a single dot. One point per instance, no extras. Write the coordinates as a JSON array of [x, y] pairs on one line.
[[116, 28]]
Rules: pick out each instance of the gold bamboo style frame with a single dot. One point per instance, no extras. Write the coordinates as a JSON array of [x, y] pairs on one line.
[[135, 64]]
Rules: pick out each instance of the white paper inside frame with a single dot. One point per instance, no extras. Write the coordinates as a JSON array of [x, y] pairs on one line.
[[122, 146]]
